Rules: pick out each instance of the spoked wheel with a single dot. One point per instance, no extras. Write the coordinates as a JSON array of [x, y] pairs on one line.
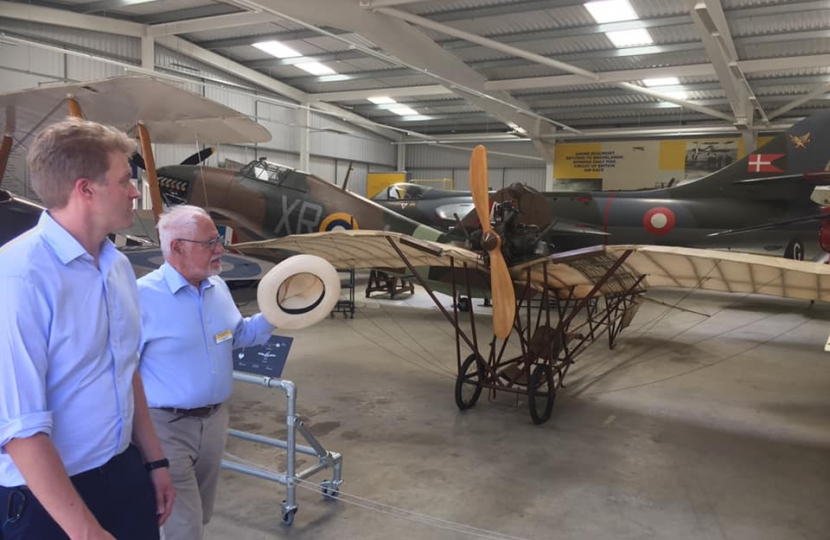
[[468, 383], [541, 393]]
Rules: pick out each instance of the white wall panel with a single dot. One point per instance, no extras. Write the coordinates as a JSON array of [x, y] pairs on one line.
[[28, 66], [431, 156], [235, 100], [323, 168], [357, 179], [116, 46], [86, 69]]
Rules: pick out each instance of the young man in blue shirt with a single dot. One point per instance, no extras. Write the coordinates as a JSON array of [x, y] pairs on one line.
[[75, 432], [190, 326]]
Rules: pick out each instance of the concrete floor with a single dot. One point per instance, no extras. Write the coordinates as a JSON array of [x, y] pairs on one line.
[[693, 427]]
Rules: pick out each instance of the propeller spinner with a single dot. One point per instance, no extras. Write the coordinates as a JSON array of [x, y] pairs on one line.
[[501, 284]]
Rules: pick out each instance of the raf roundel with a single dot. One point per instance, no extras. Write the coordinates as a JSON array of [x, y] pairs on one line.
[[659, 221], [339, 221]]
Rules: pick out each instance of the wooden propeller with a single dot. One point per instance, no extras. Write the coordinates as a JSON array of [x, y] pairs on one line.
[[501, 284]]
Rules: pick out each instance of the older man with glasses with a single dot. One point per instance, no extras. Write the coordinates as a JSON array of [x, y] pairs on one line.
[[190, 326]]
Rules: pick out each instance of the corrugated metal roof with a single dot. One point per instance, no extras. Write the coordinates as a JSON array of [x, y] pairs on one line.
[[660, 8], [429, 8], [368, 63], [794, 72], [492, 27], [326, 43], [777, 50], [559, 29], [151, 8], [237, 32], [792, 23]]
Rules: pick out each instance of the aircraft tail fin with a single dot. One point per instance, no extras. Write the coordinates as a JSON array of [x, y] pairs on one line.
[[789, 166]]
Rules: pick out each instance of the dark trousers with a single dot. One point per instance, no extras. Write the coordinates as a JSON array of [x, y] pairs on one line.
[[119, 494]]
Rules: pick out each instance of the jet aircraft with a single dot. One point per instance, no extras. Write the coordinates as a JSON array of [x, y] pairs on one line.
[[765, 196]]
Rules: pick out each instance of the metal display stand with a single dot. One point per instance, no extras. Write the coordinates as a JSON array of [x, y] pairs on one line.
[[330, 489], [347, 282]]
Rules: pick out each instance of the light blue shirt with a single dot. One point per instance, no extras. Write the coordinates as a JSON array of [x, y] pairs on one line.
[[69, 334], [187, 339]]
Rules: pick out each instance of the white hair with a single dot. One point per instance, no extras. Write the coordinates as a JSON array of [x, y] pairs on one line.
[[176, 222]]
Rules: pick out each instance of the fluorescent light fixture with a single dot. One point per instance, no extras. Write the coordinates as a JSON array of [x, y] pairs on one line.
[[415, 118], [517, 128], [335, 78], [661, 81], [316, 68], [404, 111], [381, 100], [680, 94], [608, 11], [630, 38], [275, 48]]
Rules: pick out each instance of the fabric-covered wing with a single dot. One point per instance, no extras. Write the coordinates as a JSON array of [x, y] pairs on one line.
[[728, 271], [676, 267], [171, 114], [575, 273], [360, 249]]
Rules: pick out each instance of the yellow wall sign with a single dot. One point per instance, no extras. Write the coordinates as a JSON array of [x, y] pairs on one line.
[[645, 163], [578, 160], [377, 182]]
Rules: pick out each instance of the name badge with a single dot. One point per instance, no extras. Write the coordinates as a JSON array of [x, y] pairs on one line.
[[223, 336]]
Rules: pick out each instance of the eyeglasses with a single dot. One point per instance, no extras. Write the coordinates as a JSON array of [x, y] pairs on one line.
[[210, 244]]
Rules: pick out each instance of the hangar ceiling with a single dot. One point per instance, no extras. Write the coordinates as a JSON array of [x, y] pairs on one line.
[[456, 69]]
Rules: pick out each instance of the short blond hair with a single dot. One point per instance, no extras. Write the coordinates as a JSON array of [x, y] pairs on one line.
[[72, 149]]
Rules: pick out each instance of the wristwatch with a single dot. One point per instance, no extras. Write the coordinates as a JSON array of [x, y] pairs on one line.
[[153, 465]]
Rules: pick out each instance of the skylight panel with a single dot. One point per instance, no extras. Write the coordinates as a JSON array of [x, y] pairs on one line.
[[608, 11], [404, 111], [275, 48], [661, 81], [630, 38], [316, 68], [680, 94], [381, 100]]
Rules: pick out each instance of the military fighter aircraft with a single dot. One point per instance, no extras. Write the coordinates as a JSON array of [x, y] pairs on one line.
[[431, 206], [764, 199]]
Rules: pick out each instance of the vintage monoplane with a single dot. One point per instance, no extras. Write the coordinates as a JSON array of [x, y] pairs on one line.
[[547, 308]]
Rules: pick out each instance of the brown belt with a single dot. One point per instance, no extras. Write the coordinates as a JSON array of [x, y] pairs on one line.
[[198, 412]]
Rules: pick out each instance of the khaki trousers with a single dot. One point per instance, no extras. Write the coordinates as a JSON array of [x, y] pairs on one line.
[[194, 447]]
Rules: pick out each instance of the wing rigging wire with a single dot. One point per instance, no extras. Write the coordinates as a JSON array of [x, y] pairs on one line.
[[581, 389]]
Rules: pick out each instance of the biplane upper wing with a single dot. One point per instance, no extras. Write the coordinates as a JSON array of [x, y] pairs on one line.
[[171, 114]]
